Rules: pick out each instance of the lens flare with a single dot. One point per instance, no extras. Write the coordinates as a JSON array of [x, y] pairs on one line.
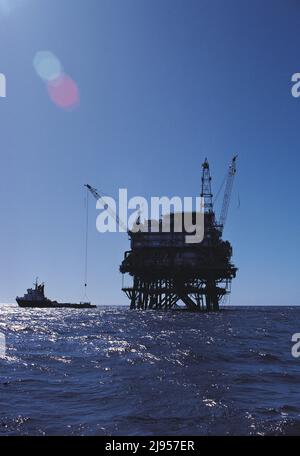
[[62, 89], [5, 7], [8, 6], [47, 65], [64, 92]]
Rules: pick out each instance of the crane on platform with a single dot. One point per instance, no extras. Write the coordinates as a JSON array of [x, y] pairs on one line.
[[227, 194], [98, 196]]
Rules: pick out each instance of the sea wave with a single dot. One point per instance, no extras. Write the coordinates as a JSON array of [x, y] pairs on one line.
[[111, 371]]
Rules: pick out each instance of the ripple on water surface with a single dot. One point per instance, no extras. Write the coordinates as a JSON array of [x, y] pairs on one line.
[[111, 371]]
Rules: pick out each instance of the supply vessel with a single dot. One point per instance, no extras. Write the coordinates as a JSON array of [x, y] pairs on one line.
[[35, 298]]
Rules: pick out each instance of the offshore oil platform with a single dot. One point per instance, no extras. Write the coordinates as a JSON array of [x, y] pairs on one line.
[[166, 270]]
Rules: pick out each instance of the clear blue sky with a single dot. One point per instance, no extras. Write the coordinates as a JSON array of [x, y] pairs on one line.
[[162, 85]]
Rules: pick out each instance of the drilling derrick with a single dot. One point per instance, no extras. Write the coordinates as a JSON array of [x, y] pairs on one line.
[[166, 270]]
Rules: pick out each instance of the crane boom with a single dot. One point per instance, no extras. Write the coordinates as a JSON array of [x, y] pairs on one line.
[[97, 196], [228, 191]]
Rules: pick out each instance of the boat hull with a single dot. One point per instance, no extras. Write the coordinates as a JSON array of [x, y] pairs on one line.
[[52, 305]]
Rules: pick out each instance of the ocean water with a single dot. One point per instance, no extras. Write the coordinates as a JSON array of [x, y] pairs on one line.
[[112, 371]]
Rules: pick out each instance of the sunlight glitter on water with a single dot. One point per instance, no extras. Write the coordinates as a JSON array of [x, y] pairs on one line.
[[133, 373]]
